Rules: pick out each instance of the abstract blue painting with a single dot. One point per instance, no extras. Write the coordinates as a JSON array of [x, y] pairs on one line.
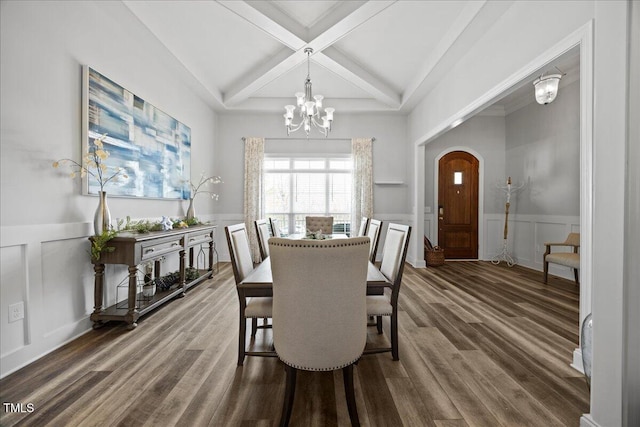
[[153, 148]]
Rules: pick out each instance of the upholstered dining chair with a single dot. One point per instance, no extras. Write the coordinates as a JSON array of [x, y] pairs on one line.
[[315, 223], [255, 307], [373, 231], [393, 257], [262, 231], [275, 228], [364, 225], [568, 259], [319, 309]]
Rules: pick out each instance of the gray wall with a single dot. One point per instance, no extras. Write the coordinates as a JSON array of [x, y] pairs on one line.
[[543, 152], [632, 243], [44, 45], [486, 136], [514, 41], [45, 221], [391, 158]]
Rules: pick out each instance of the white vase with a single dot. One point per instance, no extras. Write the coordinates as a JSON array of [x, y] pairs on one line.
[[102, 217]]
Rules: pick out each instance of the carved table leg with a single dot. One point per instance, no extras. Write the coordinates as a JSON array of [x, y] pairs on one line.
[[98, 287], [211, 256], [132, 314], [183, 278]]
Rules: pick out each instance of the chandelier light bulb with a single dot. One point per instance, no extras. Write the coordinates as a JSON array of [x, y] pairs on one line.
[[329, 112]]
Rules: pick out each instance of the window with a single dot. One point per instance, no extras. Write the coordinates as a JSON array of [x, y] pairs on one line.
[[297, 187], [457, 178]]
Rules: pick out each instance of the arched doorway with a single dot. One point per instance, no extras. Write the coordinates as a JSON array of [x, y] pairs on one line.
[[458, 188]]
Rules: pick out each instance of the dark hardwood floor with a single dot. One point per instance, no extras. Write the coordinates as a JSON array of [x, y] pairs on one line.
[[480, 345]]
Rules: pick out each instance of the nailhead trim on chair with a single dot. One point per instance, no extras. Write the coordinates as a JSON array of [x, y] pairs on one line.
[[297, 245], [293, 365]]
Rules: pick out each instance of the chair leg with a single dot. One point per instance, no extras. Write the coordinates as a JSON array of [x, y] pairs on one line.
[[575, 274], [289, 393], [254, 326], [546, 271], [394, 335], [379, 324], [241, 338], [347, 373]]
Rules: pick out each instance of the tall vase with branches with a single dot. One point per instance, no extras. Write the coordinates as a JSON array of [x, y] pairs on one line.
[[201, 187], [92, 164]]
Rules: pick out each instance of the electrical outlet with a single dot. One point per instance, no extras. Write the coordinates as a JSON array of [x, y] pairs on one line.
[[16, 311]]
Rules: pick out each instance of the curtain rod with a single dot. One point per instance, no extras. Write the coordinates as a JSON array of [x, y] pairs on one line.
[[309, 139]]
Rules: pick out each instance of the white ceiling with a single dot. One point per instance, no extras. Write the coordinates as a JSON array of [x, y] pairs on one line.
[[368, 55]]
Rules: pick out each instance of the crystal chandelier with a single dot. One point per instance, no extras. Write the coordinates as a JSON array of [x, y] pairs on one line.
[[309, 108]]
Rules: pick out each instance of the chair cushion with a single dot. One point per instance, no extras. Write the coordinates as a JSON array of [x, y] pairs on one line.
[[378, 305], [568, 259], [259, 307]]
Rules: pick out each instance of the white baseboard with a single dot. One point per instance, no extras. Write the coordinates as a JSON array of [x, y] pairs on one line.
[[577, 361], [587, 421]]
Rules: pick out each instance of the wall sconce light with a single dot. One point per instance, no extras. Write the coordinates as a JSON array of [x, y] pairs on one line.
[[547, 87]]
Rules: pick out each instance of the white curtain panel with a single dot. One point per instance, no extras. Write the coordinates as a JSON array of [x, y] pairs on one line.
[[362, 190], [253, 197]]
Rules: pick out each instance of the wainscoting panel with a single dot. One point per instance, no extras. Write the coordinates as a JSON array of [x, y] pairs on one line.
[[47, 267], [67, 282], [12, 290], [521, 239], [526, 237]]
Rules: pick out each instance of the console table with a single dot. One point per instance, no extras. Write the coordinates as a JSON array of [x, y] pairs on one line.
[[132, 249]]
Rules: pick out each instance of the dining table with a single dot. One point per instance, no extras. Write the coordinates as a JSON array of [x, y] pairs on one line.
[[259, 283], [305, 236]]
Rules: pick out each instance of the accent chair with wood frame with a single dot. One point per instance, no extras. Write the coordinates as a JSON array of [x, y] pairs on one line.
[[364, 225], [275, 228], [373, 231], [394, 255], [568, 259], [255, 307], [262, 231], [319, 309]]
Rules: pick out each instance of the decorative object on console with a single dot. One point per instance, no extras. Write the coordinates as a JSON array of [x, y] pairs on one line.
[[197, 189], [166, 223], [153, 146], [547, 87], [93, 165], [309, 106]]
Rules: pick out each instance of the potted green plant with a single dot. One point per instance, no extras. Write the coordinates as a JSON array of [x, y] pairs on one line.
[[99, 244]]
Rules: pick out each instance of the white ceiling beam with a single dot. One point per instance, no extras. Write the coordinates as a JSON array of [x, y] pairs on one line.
[[264, 23], [340, 11], [277, 15], [265, 75], [463, 20], [348, 24], [334, 60], [258, 77]]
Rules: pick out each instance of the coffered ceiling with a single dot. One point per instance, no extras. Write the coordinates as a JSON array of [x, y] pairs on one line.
[[367, 55]]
